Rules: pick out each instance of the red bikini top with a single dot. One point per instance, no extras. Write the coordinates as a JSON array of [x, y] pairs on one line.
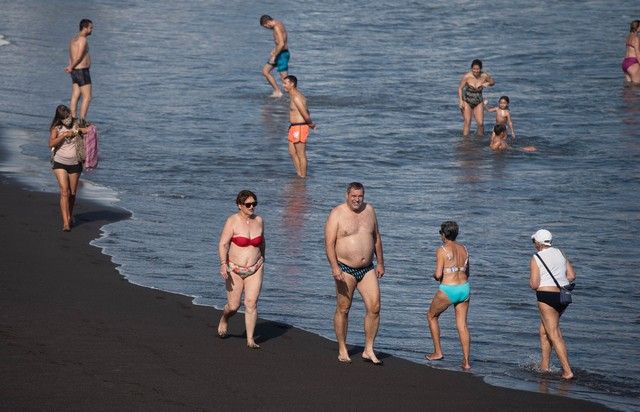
[[245, 241]]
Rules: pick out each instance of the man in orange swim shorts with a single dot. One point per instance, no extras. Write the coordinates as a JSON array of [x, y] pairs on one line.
[[301, 122]]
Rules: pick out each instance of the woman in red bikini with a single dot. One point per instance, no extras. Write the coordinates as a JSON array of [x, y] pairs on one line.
[[241, 250], [631, 62]]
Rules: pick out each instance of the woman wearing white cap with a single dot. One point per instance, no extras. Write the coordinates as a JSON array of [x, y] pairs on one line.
[[548, 295]]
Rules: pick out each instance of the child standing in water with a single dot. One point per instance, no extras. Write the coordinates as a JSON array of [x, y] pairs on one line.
[[503, 116]]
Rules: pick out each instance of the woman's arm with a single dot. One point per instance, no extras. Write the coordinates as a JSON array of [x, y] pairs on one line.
[[463, 81], [468, 266], [56, 136], [223, 246], [437, 274], [488, 80], [570, 273], [534, 278], [263, 246]]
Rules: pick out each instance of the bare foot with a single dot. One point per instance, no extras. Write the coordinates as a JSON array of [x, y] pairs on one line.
[[466, 366], [344, 359], [276, 93], [253, 345], [371, 357], [567, 376], [434, 356], [66, 228], [222, 327]]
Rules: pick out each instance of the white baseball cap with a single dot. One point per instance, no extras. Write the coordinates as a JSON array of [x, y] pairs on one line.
[[543, 236]]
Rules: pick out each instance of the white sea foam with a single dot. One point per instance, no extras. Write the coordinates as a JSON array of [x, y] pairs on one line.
[[3, 41]]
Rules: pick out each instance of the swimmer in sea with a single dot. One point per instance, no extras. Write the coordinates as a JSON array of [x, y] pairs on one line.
[[498, 141], [503, 115], [499, 138], [279, 57], [470, 99]]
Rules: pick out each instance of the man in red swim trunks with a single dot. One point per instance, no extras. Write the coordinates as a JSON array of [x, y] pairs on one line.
[[301, 122], [78, 68]]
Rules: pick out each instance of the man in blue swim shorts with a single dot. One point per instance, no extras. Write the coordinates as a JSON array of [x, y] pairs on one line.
[[352, 240], [279, 57]]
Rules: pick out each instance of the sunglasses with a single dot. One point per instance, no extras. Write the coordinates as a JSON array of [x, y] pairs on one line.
[[250, 204]]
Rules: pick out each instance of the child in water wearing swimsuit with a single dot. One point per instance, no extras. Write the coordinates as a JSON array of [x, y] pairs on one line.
[[499, 140], [503, 115]]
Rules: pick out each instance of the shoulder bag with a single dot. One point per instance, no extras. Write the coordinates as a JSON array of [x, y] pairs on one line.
[[565, 291]]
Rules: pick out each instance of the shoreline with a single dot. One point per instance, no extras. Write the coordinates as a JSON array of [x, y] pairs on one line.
[[76, 334]]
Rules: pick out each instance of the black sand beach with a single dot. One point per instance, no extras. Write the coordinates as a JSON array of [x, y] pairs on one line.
[[75, 335]]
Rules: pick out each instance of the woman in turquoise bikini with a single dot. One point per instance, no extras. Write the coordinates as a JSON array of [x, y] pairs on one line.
[[452, 271]]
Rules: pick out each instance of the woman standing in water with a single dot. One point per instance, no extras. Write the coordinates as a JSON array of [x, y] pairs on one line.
[[452, 271], [241, 249], [548, 296], [470, 100], [631, 62], [67, 166]]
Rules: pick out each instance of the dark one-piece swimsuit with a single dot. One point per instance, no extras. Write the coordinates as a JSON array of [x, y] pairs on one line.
[[472, 95]]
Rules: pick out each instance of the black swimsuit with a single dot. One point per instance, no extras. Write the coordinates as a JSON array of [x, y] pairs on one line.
[[552, 299], [81, 77], [472, 95]]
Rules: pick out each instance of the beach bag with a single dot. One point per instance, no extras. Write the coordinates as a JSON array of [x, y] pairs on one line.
[[565, 291], [80, 152], [90, 142]]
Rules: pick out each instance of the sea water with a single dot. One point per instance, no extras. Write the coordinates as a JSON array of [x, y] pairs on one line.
[[185, 122]]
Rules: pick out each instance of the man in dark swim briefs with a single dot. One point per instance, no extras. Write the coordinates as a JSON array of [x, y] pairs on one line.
[[78, 68], [351, 241], [279, 57]]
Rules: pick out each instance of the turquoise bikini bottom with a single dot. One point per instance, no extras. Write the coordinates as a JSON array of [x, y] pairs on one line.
[[456, 293]]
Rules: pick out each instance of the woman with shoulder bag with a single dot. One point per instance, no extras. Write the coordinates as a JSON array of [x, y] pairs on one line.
[[551, 275], [66, 143]]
